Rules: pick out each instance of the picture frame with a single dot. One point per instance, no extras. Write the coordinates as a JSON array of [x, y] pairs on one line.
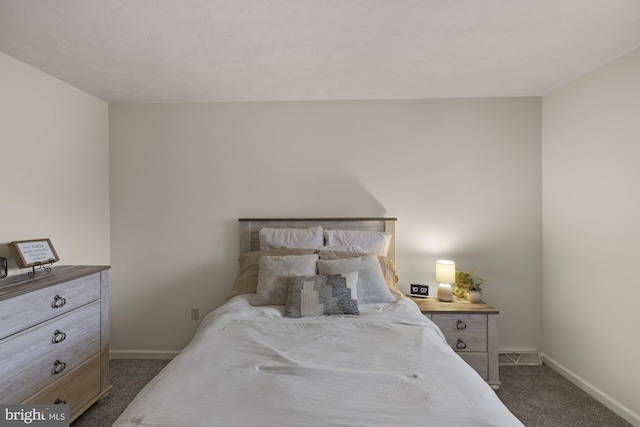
[[32, 253]]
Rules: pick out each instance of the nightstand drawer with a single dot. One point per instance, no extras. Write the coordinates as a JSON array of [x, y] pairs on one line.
[[41, 355], [38, 306], [75, 389], [478, 361], [464, 332]]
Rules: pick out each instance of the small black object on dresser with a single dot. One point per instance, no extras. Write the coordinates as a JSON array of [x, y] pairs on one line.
[[419, 290]]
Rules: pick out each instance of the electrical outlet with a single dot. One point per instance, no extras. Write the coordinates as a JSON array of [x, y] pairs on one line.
[[195, 313]]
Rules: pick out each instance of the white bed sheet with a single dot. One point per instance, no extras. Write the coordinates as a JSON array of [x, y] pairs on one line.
[[250, 366]]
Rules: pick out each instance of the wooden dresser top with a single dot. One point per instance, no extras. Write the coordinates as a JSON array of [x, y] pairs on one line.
[[456, 306], [23, 283]]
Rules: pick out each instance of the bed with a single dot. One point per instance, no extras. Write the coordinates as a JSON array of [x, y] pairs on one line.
[[254, 363]]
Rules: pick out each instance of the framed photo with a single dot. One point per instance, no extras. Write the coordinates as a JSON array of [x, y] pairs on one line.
[[30, 253]]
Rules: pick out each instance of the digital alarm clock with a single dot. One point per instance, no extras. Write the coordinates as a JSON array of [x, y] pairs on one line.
[[419, 290]]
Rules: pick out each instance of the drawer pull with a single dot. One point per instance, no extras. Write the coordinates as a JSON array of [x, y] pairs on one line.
[[60, 402], [58, 336], [461, 325], [460, 345], [58, 367], [58, 302]]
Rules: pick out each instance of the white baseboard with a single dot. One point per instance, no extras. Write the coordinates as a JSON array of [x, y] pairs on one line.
[[143, 354], [595, 392]]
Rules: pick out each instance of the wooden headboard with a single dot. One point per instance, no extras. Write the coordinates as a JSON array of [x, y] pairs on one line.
[[249, 228]]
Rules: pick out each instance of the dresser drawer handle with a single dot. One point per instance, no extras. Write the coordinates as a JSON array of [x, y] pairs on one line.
[[58, 367], [60, 402], [460, 345], [58, 302], [461, 325], [58, 336]]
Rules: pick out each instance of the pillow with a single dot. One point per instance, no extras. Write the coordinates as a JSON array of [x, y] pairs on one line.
[[319, 295], [273, 273], [247, 278], [277, 238], [343, 248], [371, 285], [387, 265], [373, 242]]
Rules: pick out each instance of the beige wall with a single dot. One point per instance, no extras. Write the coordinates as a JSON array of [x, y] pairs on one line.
[[55, 168], [462, 176], [591, 178]]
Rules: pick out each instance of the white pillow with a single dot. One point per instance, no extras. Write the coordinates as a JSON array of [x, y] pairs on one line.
[[371, 285], [373, 242], [273, 272], [278, 238], [343, 248]]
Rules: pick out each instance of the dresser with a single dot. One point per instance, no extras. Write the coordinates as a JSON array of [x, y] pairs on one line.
[[471, 329], [54, 337]]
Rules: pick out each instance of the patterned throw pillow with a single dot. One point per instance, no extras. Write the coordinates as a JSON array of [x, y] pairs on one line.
[[320, 295]]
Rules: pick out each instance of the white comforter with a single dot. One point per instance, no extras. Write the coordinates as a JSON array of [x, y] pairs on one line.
[[250, 366]]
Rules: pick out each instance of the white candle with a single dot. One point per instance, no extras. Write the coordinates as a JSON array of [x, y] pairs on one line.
[[445, 292]]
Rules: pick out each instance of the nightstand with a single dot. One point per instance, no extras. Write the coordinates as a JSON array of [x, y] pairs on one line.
[[471, 329]]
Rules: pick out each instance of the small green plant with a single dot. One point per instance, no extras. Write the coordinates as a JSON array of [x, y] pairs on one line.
[[466, 282]]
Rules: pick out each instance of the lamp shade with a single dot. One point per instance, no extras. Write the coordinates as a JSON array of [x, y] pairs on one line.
[[445, 271]]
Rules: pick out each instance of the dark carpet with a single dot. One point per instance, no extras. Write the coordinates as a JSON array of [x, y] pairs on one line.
[[540, 397], [128, 377], [537, 395]]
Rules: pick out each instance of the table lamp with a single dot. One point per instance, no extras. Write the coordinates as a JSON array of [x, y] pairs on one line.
[[445, 276]]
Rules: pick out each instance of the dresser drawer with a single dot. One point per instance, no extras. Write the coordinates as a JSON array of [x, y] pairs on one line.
[[37, 357], [76, 389], [478, 361], [29, 309], [464, 332]]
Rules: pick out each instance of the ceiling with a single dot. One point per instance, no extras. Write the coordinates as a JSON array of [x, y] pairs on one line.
[[256, 50]]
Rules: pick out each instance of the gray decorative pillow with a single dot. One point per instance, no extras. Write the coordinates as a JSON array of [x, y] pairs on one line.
[[320, 295]]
